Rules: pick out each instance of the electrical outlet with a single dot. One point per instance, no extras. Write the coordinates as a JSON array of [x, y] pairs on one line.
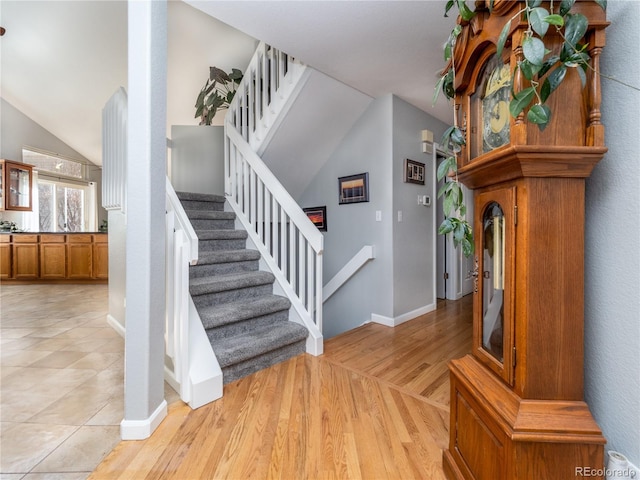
[[378, 215]]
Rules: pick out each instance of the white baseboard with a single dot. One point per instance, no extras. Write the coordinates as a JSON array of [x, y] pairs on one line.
[[405, 317], [141, 429], [115, 324]]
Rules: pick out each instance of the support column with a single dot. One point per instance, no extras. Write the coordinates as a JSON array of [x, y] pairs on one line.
[[144, 404]]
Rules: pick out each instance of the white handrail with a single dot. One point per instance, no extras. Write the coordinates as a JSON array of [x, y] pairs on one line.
[[288, 241], [365, 254], [193, 369], [263, 96]]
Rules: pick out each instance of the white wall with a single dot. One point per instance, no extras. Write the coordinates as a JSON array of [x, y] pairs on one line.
[[612, 249], [197, 158]]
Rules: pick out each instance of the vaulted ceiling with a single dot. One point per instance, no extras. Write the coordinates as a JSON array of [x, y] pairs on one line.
[[62, 60]]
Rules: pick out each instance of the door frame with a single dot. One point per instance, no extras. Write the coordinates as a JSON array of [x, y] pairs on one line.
[[453, 271]]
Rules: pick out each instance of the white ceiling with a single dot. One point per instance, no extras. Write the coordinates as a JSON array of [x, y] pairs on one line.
[[62, 60]]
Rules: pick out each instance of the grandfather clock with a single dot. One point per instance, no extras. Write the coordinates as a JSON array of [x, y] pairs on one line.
[[517, 405]]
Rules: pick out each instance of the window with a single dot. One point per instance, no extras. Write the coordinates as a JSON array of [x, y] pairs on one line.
[[53, 164], [65, 202]]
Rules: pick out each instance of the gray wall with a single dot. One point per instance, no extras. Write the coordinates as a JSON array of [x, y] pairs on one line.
[[366, 148], [400, 279], [18, 131], [414, 236], [197, 158], [612, 249]]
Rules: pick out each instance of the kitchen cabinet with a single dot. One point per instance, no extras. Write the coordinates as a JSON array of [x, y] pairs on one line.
[[54, 257], [25, 257], [16, 185]]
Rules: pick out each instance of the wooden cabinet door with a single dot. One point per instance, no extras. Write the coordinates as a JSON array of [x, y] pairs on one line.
[[79, 256], [5, 256], [100, 256], [25, 257], [53, 257]]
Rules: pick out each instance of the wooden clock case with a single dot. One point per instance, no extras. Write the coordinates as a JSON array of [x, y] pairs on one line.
[[523, 416]]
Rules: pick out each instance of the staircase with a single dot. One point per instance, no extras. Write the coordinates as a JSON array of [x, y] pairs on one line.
[[247, 325]]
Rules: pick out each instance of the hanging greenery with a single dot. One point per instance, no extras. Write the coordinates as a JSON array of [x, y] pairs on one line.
[[544, 70]]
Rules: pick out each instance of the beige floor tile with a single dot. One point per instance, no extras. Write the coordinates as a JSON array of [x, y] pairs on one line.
[[113, 345], [61, 359], [48, 332], [16, 332], [82, 451], [21, 343], [25, 445], [21, 358], [11, 476], [19, 407], [86, 344], [57, 476], [98, 361], [111, 414], [53, 344], [79, 333], [74, 408], [5, 371]]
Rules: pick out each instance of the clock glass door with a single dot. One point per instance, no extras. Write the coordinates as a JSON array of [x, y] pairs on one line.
[[493, 318]]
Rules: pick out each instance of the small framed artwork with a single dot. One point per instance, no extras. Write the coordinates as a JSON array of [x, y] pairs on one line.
[[318, 215], [353, 189], [413, 172]]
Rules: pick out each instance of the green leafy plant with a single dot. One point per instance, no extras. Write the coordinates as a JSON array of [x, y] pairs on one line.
[[217, 93], [544, 70]]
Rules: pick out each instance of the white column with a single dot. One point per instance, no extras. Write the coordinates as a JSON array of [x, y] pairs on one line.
[[144, 406]]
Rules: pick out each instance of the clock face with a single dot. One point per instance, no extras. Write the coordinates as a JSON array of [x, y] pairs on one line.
[[495, 108]]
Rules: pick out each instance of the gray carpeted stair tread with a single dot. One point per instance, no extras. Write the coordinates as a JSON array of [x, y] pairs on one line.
[[201, 197], [218, 315], [258, 342], [221, 234], [227, 256], [247, 325], [209, 215], [223, 283]]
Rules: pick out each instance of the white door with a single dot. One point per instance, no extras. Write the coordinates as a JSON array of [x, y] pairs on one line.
[[454, 271]]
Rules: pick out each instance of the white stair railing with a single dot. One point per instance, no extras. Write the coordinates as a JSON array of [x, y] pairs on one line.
[[289, 243], [191, 366], [262, 99], [366, 254]]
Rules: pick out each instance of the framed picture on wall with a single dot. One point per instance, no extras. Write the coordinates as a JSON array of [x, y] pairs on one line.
[[318, 215], [353, 189], [413, 172]]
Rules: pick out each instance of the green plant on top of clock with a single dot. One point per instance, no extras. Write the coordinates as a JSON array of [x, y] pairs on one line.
[[544, 70]]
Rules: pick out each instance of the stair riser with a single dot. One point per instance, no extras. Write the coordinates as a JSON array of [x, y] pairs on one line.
[[197, 271], [212, 224], [201, 205], [240, 370], [225, 331], [219, 298], [225, 244]]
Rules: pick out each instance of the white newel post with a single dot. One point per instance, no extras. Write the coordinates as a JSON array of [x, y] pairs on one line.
[[144, 406]]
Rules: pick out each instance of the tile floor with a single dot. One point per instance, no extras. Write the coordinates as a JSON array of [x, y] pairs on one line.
[[61, 382]]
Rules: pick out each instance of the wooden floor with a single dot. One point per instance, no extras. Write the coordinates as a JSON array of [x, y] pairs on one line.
[[374, 406]]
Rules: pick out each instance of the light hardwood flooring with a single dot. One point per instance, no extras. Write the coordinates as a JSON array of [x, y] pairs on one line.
[[374, 406]]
